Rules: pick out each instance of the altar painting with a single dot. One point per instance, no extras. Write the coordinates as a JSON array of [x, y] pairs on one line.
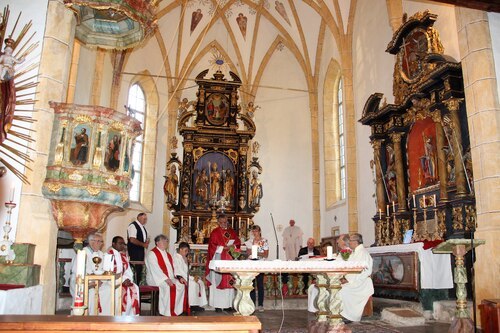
[[217, 108], [213, 177], [80, 144], [395, 270], [422, 154]]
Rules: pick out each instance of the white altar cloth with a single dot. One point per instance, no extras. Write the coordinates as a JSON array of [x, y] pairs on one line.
[[21, 301], [435, 269], [276, 266]]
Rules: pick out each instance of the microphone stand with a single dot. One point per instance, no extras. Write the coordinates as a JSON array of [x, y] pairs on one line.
[[277, 257]]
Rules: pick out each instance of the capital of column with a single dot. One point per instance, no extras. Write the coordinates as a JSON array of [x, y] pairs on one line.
[[453, 104], [377, 144], [396, 137]]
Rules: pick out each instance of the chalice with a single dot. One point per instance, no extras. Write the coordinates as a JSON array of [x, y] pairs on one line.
[[96, 260]]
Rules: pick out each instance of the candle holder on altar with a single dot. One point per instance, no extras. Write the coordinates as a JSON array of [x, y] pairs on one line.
[[6, 243]]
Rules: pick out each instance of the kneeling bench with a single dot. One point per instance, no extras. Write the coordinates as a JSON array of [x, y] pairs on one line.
[[100, 324]]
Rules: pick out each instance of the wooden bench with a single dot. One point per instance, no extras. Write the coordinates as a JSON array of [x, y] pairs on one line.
[[100, 324]]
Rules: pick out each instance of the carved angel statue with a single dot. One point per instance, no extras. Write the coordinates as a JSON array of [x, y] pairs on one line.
[[7, 61], [183, 105], [255, 148], [251, 109], [173, 142]]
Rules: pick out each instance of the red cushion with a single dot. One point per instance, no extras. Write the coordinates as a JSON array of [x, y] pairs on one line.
[[10, 286]]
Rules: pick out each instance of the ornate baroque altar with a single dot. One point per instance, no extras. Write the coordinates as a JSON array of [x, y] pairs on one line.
[[220, 170], [421, 142]]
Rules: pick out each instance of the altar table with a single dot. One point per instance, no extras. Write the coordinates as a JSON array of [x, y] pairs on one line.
[[328, 275]]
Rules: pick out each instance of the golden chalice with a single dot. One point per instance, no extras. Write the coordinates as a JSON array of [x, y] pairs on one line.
[[96, 260]]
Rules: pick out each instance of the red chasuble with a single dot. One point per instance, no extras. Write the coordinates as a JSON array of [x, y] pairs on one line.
[[220, 237]]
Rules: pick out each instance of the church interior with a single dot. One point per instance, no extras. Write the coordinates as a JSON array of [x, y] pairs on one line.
[[387, 112]]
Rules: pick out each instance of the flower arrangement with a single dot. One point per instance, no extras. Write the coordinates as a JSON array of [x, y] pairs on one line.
[[235, 253], [345, 253]]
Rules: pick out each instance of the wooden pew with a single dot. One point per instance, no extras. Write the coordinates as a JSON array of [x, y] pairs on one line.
[[100, 324]]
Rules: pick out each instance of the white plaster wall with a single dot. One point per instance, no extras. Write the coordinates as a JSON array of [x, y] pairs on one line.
[[85, 75], [284, 132], [373, 72], [36, 11], [494, 21]]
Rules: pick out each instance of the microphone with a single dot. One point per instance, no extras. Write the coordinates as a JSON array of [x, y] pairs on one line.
[[275, 235]]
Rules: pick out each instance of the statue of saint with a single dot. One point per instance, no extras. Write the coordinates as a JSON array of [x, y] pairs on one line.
[[215, 178], [171, 184], [255, 193], [201, 185]]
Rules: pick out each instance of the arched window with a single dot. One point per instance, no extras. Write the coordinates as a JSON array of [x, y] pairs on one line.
[[333, 136], [137, 105], [340, 111]]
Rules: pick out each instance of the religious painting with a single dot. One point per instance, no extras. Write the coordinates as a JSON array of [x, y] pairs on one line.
[[80, 144], [414, 50], [395, 270], [280, 8], [242, 24], [113, 147], [213, 178], [196, 17], [217, 108], [422, 154]]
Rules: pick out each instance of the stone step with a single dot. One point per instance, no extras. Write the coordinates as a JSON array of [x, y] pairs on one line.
[[444, 311], [398, 316]]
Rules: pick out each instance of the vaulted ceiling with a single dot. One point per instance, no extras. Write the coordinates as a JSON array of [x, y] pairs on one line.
[[248, 32]]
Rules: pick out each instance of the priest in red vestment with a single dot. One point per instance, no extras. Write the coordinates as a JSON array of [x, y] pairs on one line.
[[130, 291], [222, 238], [160, 272]]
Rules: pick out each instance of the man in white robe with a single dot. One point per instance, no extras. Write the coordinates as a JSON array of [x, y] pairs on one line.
[[130, 302], [357, 288], [196, 287], [292, 240], [93, 250], [313, 291], [160, 272]]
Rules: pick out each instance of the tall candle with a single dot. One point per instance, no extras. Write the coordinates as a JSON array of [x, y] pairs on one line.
[[239, 221], [182, 220], [414, 202], [329, 252], [434, 200], [190, 222], [380, 213], [248, 221], [197, 222], [387, 210], [232, 220], [12, 190], [80, 262], [254, 251], [393, 207], [424, 202]]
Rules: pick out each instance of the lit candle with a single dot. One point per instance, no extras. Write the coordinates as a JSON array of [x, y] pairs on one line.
[[380, 214], [424, 202], [414, 202], [434, 200], [329, 252], [254, 251], [387, 210], [393, 207]]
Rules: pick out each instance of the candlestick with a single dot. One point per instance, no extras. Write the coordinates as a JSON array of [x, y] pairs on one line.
[[329, 252], [414, 202], [387, 210], [254, 251], [380, 214]]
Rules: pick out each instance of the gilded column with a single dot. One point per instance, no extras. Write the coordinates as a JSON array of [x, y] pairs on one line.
[[441, 155], [453, 104], [400, 176], [377, 145]]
